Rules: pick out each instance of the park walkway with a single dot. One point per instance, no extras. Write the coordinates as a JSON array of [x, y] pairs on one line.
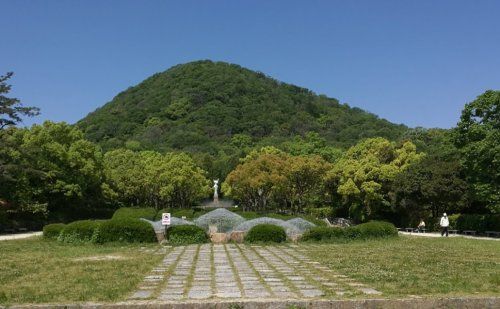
[[236, 271], [20, 236], [437, 235]]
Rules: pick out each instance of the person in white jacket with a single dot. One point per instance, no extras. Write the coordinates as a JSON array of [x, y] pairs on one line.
[[444, 223]]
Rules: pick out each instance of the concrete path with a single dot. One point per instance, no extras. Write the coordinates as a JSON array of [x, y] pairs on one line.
[[20, 236], [450, 235], [235, 271]]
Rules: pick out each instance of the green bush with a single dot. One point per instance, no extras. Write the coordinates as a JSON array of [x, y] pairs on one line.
[[324, 233], [372, 229], [80, 231], [125, 230], [52, 231], [186, 234], [135, 213], [266, 233], [376, 229]]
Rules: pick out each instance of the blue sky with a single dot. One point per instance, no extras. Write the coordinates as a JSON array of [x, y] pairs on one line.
[[411, 62]]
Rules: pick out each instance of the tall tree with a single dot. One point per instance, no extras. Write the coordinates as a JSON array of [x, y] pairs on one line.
[[364, 175], [477, 136], [11, 109]]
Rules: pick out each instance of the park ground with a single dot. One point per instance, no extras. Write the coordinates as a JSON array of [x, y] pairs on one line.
[[41, 271]]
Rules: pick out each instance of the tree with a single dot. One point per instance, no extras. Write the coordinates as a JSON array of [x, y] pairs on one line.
[[61, 170], [477, 136], [153, 179], [428, 188], [363, 176], [11, 109]]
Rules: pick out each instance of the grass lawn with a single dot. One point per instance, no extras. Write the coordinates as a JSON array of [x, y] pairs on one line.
[[42, 271], [417, 265]]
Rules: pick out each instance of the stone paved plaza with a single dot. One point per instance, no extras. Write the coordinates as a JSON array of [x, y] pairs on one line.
[[236, 271]]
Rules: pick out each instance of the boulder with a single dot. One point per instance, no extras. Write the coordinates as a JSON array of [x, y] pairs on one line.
[[219, 238], [238, 236]]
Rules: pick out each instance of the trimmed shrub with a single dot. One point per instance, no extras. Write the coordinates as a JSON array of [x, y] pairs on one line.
[[80, 231], [186, 234], [376, 229], [125, 230], [266, 233], [52, 231], [324, 233], [135, 213]]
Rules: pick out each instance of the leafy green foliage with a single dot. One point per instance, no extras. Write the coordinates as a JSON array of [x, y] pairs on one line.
[[134, 213], [477, 136], [80, 231], [151, 178], [125, 230], [52, 231], [364, 174], [266, 233], [61, 170], [220, 111], [186, 234]]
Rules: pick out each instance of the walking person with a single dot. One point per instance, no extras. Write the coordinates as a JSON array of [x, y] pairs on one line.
[[444, 223]]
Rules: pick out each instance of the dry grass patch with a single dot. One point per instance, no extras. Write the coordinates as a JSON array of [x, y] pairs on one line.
[[44, 271]]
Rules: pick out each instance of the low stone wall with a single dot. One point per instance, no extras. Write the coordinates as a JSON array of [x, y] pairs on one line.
[[420, 303]]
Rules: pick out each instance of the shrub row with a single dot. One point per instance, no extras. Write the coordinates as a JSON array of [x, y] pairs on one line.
[[479, 223], [52, 231], [373, 229], [101, 231]]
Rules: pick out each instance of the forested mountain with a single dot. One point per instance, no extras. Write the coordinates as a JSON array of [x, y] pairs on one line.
[[219, 112], [202, 106]]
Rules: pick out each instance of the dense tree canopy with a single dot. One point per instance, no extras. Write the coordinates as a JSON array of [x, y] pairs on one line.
[[271, 179], [153, 179], [477, 136], [60, 170], [365, 173]]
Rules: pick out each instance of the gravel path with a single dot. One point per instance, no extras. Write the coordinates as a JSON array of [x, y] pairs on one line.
[[19, 236]]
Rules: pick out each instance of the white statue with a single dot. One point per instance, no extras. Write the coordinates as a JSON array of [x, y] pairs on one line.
[[216, 187]]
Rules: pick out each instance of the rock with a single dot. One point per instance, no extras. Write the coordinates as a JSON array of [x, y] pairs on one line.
[[160, 236], [237, 236], [219, 238]]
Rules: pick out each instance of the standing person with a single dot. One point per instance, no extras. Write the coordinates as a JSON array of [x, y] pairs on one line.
[[444, 224]]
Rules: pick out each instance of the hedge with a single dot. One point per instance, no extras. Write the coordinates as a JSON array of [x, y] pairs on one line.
[[186, 234], [479, 223], [372, 229], [135, 213], [80, 231], [52, 231], [266, 233], [125, 230]]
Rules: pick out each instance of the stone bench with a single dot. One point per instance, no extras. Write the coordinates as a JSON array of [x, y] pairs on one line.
[[469, 232], [492, 233]]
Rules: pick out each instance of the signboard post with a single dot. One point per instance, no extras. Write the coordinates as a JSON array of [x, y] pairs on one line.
[[165, 221]]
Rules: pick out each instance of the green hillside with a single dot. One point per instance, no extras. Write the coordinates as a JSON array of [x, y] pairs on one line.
[[215, 109]]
